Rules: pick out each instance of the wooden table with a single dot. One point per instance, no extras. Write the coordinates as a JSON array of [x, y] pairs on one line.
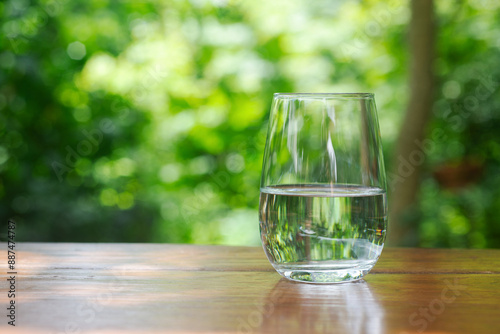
[[154, 288]]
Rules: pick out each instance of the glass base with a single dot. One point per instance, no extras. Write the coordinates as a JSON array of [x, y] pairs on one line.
[[322, 275]]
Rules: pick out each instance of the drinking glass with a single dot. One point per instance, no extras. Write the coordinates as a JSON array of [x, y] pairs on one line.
[[323, 206]]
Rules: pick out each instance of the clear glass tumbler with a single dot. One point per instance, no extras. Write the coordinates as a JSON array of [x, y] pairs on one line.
[[323, 206]]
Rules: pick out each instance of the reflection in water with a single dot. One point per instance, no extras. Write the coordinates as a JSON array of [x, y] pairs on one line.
[[307, 308]]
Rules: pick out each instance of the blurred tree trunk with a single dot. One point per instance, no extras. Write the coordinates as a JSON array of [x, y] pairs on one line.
[[409, 155]]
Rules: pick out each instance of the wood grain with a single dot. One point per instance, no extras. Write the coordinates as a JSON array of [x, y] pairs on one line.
[[153, 288]]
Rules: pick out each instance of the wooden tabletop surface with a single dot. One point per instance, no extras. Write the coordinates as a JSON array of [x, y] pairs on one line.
[[157, 288]]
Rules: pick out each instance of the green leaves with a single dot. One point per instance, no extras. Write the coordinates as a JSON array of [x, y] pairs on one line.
[[185, 87]]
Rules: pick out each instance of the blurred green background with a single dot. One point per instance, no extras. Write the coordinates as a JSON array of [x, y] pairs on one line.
[[145, 121]]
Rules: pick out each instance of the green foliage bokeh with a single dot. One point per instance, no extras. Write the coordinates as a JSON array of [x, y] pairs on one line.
[[145, 121]]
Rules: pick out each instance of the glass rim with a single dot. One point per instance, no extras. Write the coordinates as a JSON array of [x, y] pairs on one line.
[[325, 95]]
